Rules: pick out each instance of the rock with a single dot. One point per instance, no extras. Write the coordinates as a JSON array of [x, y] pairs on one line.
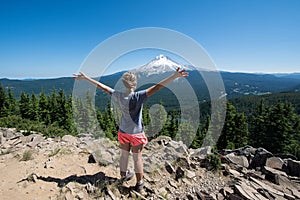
[[111, 194], [80, 196], [201, 152], [293, 167], [85, 135], [285, 156], [161, 140], [173, 183], [234, 197], [260, 158], [179, 173], [103, 158], [248, 192], [246, 151], [226, 191], [2, 139], [169, 167], [289, 197], [295, 193], [274, 162], [239, 160], [33, 140], [190, 174], [9, 132], [266, 187], [178, 146], [271, 176], [69, 139]]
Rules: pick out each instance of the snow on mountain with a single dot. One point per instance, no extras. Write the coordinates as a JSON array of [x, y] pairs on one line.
[[161, 64]]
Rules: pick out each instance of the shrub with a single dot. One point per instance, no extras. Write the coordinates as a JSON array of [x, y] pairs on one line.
[[27, 155], [214, 162]]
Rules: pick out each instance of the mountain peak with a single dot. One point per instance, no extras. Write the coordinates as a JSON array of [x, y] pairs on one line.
[[160, 64], [161, 57]]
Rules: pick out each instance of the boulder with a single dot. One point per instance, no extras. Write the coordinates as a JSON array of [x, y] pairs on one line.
[[9, 132], [179, 173], [33, 140], [293, 167], [239, 160], [260, 158], [201, 152], [2, 139], [246, 151], [274, 162], [103, 158], [69, 139]]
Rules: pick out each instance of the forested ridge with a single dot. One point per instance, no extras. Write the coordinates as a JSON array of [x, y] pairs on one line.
[[269, 121]]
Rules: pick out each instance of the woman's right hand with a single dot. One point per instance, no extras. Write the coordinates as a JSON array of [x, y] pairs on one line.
[[80, 76]]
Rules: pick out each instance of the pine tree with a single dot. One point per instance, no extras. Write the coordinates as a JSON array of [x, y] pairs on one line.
[[24, 104], [3, 102], [12, 104], [235, 130], [280, 127], [258, 125], [33, 108], [44, 109], [53, 107]]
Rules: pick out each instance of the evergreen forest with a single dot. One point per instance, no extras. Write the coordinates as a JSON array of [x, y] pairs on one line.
[[270, 121]]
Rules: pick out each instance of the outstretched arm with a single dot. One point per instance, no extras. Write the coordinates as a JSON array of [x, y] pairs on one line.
[[82, 76], [153, 89]]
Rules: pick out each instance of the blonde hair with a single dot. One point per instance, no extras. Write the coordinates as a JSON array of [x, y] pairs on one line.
[[129, 80]]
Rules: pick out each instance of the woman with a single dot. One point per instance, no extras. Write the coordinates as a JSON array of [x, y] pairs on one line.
[[131, 133]]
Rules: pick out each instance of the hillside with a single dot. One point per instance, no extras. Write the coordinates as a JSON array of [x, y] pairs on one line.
[[236, 84], [84, 167]]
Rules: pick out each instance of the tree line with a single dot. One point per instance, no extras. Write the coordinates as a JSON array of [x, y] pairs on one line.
[[275, 127]]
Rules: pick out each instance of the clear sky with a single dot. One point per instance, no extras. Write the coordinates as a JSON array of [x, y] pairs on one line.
[[51, 38]]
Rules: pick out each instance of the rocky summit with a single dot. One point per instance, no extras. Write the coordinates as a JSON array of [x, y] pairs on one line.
[[85, 167]]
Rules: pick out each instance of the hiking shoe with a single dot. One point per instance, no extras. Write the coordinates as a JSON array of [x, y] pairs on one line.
[[129, 175], [139, 186]]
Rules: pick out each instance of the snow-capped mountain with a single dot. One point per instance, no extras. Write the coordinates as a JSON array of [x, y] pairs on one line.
[[161, 64]]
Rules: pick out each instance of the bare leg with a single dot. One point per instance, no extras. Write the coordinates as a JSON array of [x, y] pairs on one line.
[[125, 150], [138, 162]]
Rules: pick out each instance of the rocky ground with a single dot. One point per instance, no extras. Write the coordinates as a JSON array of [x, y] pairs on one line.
[[84, 167]]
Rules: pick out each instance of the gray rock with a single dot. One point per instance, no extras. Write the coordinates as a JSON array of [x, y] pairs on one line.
[[69, 139], [103, 158], [274, 162], [201, 152], [293, 167], [239, 160], [85, 135], [33, 140], [9, 132], [169, 167], [260, 158], [179, 173], [2, 139], [190, 174]]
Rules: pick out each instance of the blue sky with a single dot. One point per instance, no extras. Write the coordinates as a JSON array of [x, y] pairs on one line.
[[51, 38]]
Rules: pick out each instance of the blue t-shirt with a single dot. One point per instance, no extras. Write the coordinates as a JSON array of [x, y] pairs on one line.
[[131, 107]]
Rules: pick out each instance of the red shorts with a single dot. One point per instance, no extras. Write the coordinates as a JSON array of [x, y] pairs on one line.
[[133, 139]]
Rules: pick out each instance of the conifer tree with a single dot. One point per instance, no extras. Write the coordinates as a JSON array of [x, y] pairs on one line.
[[11, 102], [44, 108], [33, 108], [24, 104], [3, 102], [258, 125], [235, 130]]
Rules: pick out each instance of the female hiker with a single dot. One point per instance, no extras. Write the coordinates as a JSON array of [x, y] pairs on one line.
[[131, 133]]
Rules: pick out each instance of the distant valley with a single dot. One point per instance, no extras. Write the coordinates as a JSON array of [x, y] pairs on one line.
[[235, 84]]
